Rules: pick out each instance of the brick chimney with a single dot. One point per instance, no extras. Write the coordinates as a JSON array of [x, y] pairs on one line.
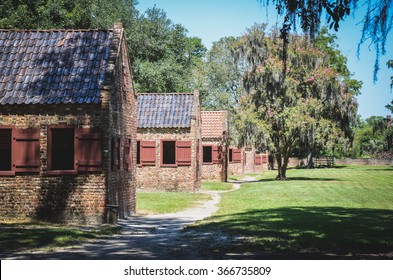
[[389, 120]]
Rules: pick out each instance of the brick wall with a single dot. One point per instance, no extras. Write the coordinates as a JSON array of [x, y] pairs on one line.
[[122, 108], [236, 168], [180, 178], [80, 198], [211, 171], [66, 198]]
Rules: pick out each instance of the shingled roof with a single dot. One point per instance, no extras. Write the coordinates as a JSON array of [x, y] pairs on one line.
[[214, 123], [53, 66], [165, 110]]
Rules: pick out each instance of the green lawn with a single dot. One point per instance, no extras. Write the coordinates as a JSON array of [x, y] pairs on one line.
[[338, 212], [16, 236], [216, 186], [167, 202]]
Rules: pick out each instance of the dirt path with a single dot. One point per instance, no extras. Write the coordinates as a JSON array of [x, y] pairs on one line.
[[142, 237]]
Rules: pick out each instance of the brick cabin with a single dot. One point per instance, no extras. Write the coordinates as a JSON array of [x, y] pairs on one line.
[[254, 161], [236, 162], [214, 145], [168, 142], [67, 125]]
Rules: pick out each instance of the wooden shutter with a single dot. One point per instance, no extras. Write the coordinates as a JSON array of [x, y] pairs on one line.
[[115, 153], [127, 154], [216, 154], [89, 149], [258, 159], [264, 158], [183, 152], [148, 153], [236, 155], [26, 150]]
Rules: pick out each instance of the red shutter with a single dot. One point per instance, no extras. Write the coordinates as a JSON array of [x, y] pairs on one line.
[[258, 159], [183, 152], [264, 158], [236, 155], [89, 149], [216, 154], [148, 152], [26, 150], [127, 154]]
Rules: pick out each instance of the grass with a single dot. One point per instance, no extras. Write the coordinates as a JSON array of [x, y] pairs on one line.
[[25, 235], [318, 213], [216, 186], [167, 202]]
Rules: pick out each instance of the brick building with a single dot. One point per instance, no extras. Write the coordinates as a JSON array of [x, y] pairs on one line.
[[214, 145], [168, 146], [246, 160], [67, 125], [236, 162]]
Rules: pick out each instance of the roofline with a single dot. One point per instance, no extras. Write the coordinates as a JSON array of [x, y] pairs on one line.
[[223, 111], [56, 30], [172, 93]]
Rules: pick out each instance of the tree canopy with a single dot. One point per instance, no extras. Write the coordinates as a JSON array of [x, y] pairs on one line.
[[377, 21], [311, 105]]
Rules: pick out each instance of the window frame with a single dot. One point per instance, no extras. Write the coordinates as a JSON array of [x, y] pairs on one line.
[[211, 155], [49, 170], [162, 164], [10, 172], [230, 155]]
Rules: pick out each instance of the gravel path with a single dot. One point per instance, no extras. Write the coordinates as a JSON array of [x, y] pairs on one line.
[[142, 237]]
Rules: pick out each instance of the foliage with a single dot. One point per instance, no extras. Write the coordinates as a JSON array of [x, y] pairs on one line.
[[309, 106], [219, 77], [163, 56], [299, 218], [51, 14], [377, 21], [373, 138]]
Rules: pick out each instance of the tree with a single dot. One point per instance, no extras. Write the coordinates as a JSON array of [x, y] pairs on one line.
[[373, 138], [309, 104], [219, 78], [377, 21], [162, 55], [50, 14]]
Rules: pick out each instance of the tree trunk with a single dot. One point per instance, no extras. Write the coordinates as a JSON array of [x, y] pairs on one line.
[[282, 167], [310, 161]]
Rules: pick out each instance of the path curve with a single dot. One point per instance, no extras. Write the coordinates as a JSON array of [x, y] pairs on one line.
[[142, 237]]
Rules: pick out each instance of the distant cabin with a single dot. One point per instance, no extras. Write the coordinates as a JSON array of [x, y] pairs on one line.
[[168, 142], [214, 145], [67, 125]]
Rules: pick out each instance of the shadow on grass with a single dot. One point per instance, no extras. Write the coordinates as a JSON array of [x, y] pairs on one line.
[[25, 236], [305, 232], [288, 179]]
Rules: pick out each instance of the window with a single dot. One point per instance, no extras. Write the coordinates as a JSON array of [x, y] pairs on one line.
[[138, 152], [72, 150], [5, 149], [19, 150], [230, 155], [207, 154], [62, 149], [168, 154]]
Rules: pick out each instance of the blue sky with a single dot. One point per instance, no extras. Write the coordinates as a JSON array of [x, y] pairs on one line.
[[212, 19]]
